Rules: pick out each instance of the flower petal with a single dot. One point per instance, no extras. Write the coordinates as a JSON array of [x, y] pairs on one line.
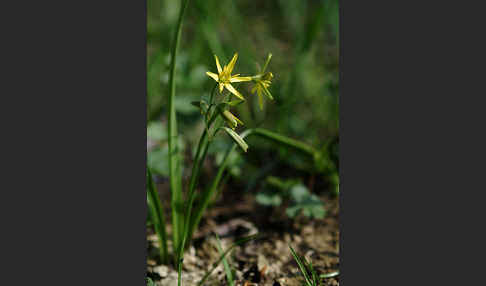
[[217, 63], [213, 75], [221, 86], [232, 63], [233, 91], [266, 63], [267, 93], [240, 78]]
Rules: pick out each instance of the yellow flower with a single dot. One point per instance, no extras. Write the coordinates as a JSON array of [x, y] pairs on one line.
[[262, 82], [261, 87], [224, 77]]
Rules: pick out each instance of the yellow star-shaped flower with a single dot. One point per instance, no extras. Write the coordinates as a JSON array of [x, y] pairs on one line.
[[261, 87], [262, 82], [224, 77]]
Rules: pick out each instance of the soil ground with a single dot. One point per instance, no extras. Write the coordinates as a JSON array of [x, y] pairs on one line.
[[265, 261]]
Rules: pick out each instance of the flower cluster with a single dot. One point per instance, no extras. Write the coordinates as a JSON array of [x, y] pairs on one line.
[[224, 78]]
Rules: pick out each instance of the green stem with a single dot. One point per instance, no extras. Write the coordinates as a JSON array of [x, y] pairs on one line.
[[174, 156], [209, 193], [203, 146], [284, 140]]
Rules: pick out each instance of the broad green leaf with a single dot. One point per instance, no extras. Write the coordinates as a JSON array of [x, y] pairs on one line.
[[299, 193], [268, 199]]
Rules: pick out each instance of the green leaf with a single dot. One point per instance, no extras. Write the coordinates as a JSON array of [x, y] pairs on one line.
[[299, 192], [227, 269], [309, 204], [268, 199], [292, 211], [156, 214], [202, 105], [301, 265], [236, 138], [222, 256]]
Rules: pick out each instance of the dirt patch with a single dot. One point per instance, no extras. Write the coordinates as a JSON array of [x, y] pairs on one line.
[[265, 261]]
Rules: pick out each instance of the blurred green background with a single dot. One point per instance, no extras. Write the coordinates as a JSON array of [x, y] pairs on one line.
[[303, 37]]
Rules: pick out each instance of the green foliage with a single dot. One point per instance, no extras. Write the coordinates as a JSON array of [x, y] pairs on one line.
[[269, 199], [302, 36], [156, 213], [311, 277], [301, 199], [227, 269], [150, 282], [240, 241], [306, 269]]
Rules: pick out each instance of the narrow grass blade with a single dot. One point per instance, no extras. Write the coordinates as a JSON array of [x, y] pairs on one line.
[[329, 275], [239, 242], [157, 215], [229, 275], [179, 272], [315, 280], [301, 266], [174, 155]]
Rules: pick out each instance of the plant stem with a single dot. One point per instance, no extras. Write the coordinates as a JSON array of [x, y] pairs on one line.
[[174, 159], [284, 140], [203, 146]]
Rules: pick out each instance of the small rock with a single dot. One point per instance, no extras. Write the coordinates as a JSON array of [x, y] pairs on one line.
[[162, 270]]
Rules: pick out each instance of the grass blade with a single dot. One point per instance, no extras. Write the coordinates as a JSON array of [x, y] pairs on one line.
[[229, 275], [179, 272], [222, 256], [301, 266], [315, 280], [156, 213], [329, 275], [174, 156]]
